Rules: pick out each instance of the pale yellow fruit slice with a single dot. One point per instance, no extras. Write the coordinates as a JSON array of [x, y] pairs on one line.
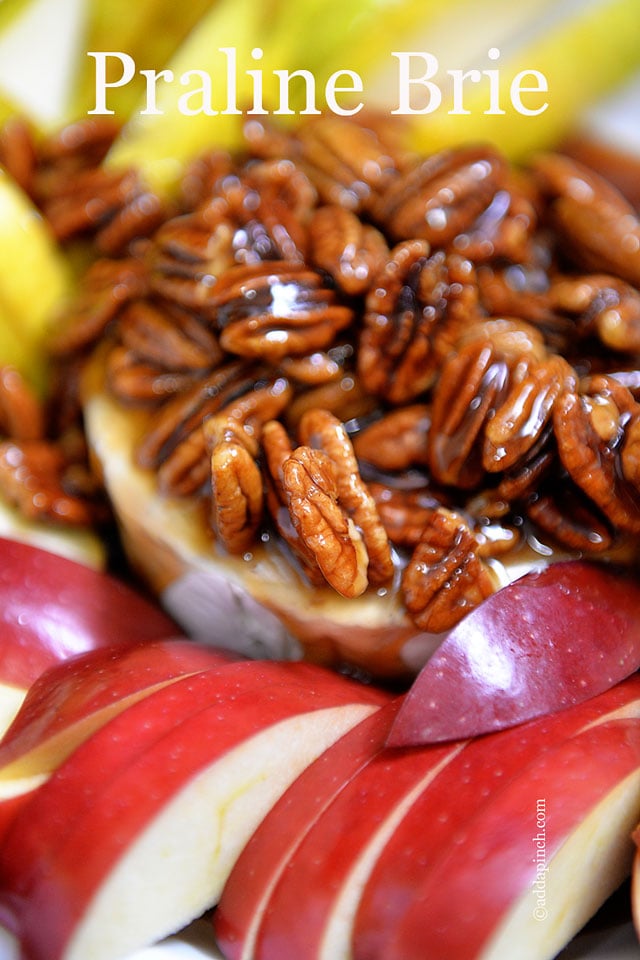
[[79, 544], [34, 280], [149, 31], [159, 143], [583, 50]]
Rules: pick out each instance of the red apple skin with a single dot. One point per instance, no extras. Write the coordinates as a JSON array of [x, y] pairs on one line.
[[267, 854], [75, 785], [52, 864], [468, 892], [323, 859], [52, 608], [544, 642], [72, 698], [467, 785]]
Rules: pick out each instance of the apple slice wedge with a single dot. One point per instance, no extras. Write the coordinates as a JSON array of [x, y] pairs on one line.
[[153, 842], [349, 833], [109, 750], [52, 607], [538, 861], [550, 639], [332, 867], [73, 698], [467, 785], [267, 854]]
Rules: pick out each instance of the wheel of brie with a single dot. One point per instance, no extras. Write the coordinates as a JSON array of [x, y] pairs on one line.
[[337, 401]]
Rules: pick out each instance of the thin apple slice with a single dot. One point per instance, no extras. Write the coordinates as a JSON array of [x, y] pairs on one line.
[[551, 639], [349, 833], [464, 788], [153, 843], [345, 847], [538, 861], [110, 749], [267, 854], [73, 698], [52, 607]]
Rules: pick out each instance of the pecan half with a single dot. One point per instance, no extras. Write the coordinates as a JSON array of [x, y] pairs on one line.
[[521, 419], [178, 417], [441, 196], [350, 164], [274, 310], [167, 338], [404, 513], [277, 448], [416, 308], [491, 360], [598, 227], [321, 430], [137, 383], [104, 289], [32, 478], [602, 304], [590, 426], [309, 480], [445, 578], [351, 251], [236, 482], [397, 441], [565, 514]]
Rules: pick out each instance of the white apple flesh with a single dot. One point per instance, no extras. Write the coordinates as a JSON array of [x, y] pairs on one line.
[[143, 846]]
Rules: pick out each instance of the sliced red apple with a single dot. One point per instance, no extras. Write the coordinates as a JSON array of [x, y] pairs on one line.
[[348, 844], [110, 750], [152, 844], [548, 640], [538, 861], [267, 854], [466, 786], [52, 608], [351, 830], [73, 698]]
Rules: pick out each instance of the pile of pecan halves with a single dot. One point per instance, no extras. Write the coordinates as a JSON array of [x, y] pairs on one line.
[[402, 367]]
